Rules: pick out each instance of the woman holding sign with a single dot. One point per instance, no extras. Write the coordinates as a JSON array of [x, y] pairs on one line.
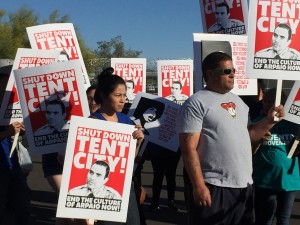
[[276, 177], [111, 95]]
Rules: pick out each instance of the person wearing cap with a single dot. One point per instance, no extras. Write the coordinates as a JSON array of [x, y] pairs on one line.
[[95, 186], [55, 115], [176, 95], [223, 23], [13, 189], [281, 39]]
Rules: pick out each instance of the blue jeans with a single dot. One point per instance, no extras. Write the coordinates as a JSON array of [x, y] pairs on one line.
[[270, 203]]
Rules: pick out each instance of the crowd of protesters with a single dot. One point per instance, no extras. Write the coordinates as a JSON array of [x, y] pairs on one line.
[[219, 145]]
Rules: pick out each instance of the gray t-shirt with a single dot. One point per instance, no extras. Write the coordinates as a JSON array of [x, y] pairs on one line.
[[224, 148]]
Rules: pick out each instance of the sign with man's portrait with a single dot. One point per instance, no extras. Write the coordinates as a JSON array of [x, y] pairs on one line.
[[10, 110], [133, 71], [157, 116], [97, 170], [273, 40], [49, 95], [175, 79], [58, 36], [233, 45], [292, 105], [224, 16]]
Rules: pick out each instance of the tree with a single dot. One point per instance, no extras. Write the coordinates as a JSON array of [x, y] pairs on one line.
[[115, 48], [56, 18], [14, 35], [13, 32], [6, 40]]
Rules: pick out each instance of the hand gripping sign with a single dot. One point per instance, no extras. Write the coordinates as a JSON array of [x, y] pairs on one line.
[[97, 170]]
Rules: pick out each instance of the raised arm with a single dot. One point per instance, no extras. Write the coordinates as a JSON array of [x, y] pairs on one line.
[[12, 129], [138, 134], [188, 146], [258, 130]]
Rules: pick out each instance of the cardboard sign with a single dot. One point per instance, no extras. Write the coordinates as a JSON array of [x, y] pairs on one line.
[[10, 110], [97, 170], [58, 36], [133, 71], [233, 45], [273, 40], [157, 116], [49, 95], [175, 79], [292, 105], [224, 16]]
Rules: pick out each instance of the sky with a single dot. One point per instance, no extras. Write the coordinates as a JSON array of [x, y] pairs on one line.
[[159, 28]]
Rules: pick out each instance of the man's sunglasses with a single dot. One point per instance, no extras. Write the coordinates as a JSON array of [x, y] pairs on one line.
[[226, 71]]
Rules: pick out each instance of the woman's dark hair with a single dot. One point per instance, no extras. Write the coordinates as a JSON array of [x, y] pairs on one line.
[[92, 87], [106, 84]]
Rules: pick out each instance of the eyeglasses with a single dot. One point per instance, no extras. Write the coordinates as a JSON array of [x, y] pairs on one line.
[[226, 71]]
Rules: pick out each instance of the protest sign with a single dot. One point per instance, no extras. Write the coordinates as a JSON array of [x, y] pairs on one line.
[[157, 116], [175, 79], [49, 95], [58, 36], [292, 105], [133, 71], [273, 40], [233, 45], [10, 110], [224, 16], [89, 190]]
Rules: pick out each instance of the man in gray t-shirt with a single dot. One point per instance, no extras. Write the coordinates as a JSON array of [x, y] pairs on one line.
[[216, 143]]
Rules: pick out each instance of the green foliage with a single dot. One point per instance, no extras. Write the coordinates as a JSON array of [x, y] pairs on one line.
[[14, 36], [115, 48]]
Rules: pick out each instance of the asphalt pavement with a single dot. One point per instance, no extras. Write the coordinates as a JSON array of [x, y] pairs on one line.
[[44, 199]]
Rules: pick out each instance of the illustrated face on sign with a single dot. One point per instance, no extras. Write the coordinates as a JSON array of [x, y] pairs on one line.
[[176, 89], [129, 89], [97, 176], [150, 115], [221, 15], [63, 57], [280, 39], [55, 115]]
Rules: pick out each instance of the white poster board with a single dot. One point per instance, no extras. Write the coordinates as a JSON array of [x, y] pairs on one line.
[[82, 194], [133, 71], [175, 79], [157, 116], [49, 95], [234, 45], [58, 36], [292, 105], [273, 53], [224, 16], [10, 110]]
